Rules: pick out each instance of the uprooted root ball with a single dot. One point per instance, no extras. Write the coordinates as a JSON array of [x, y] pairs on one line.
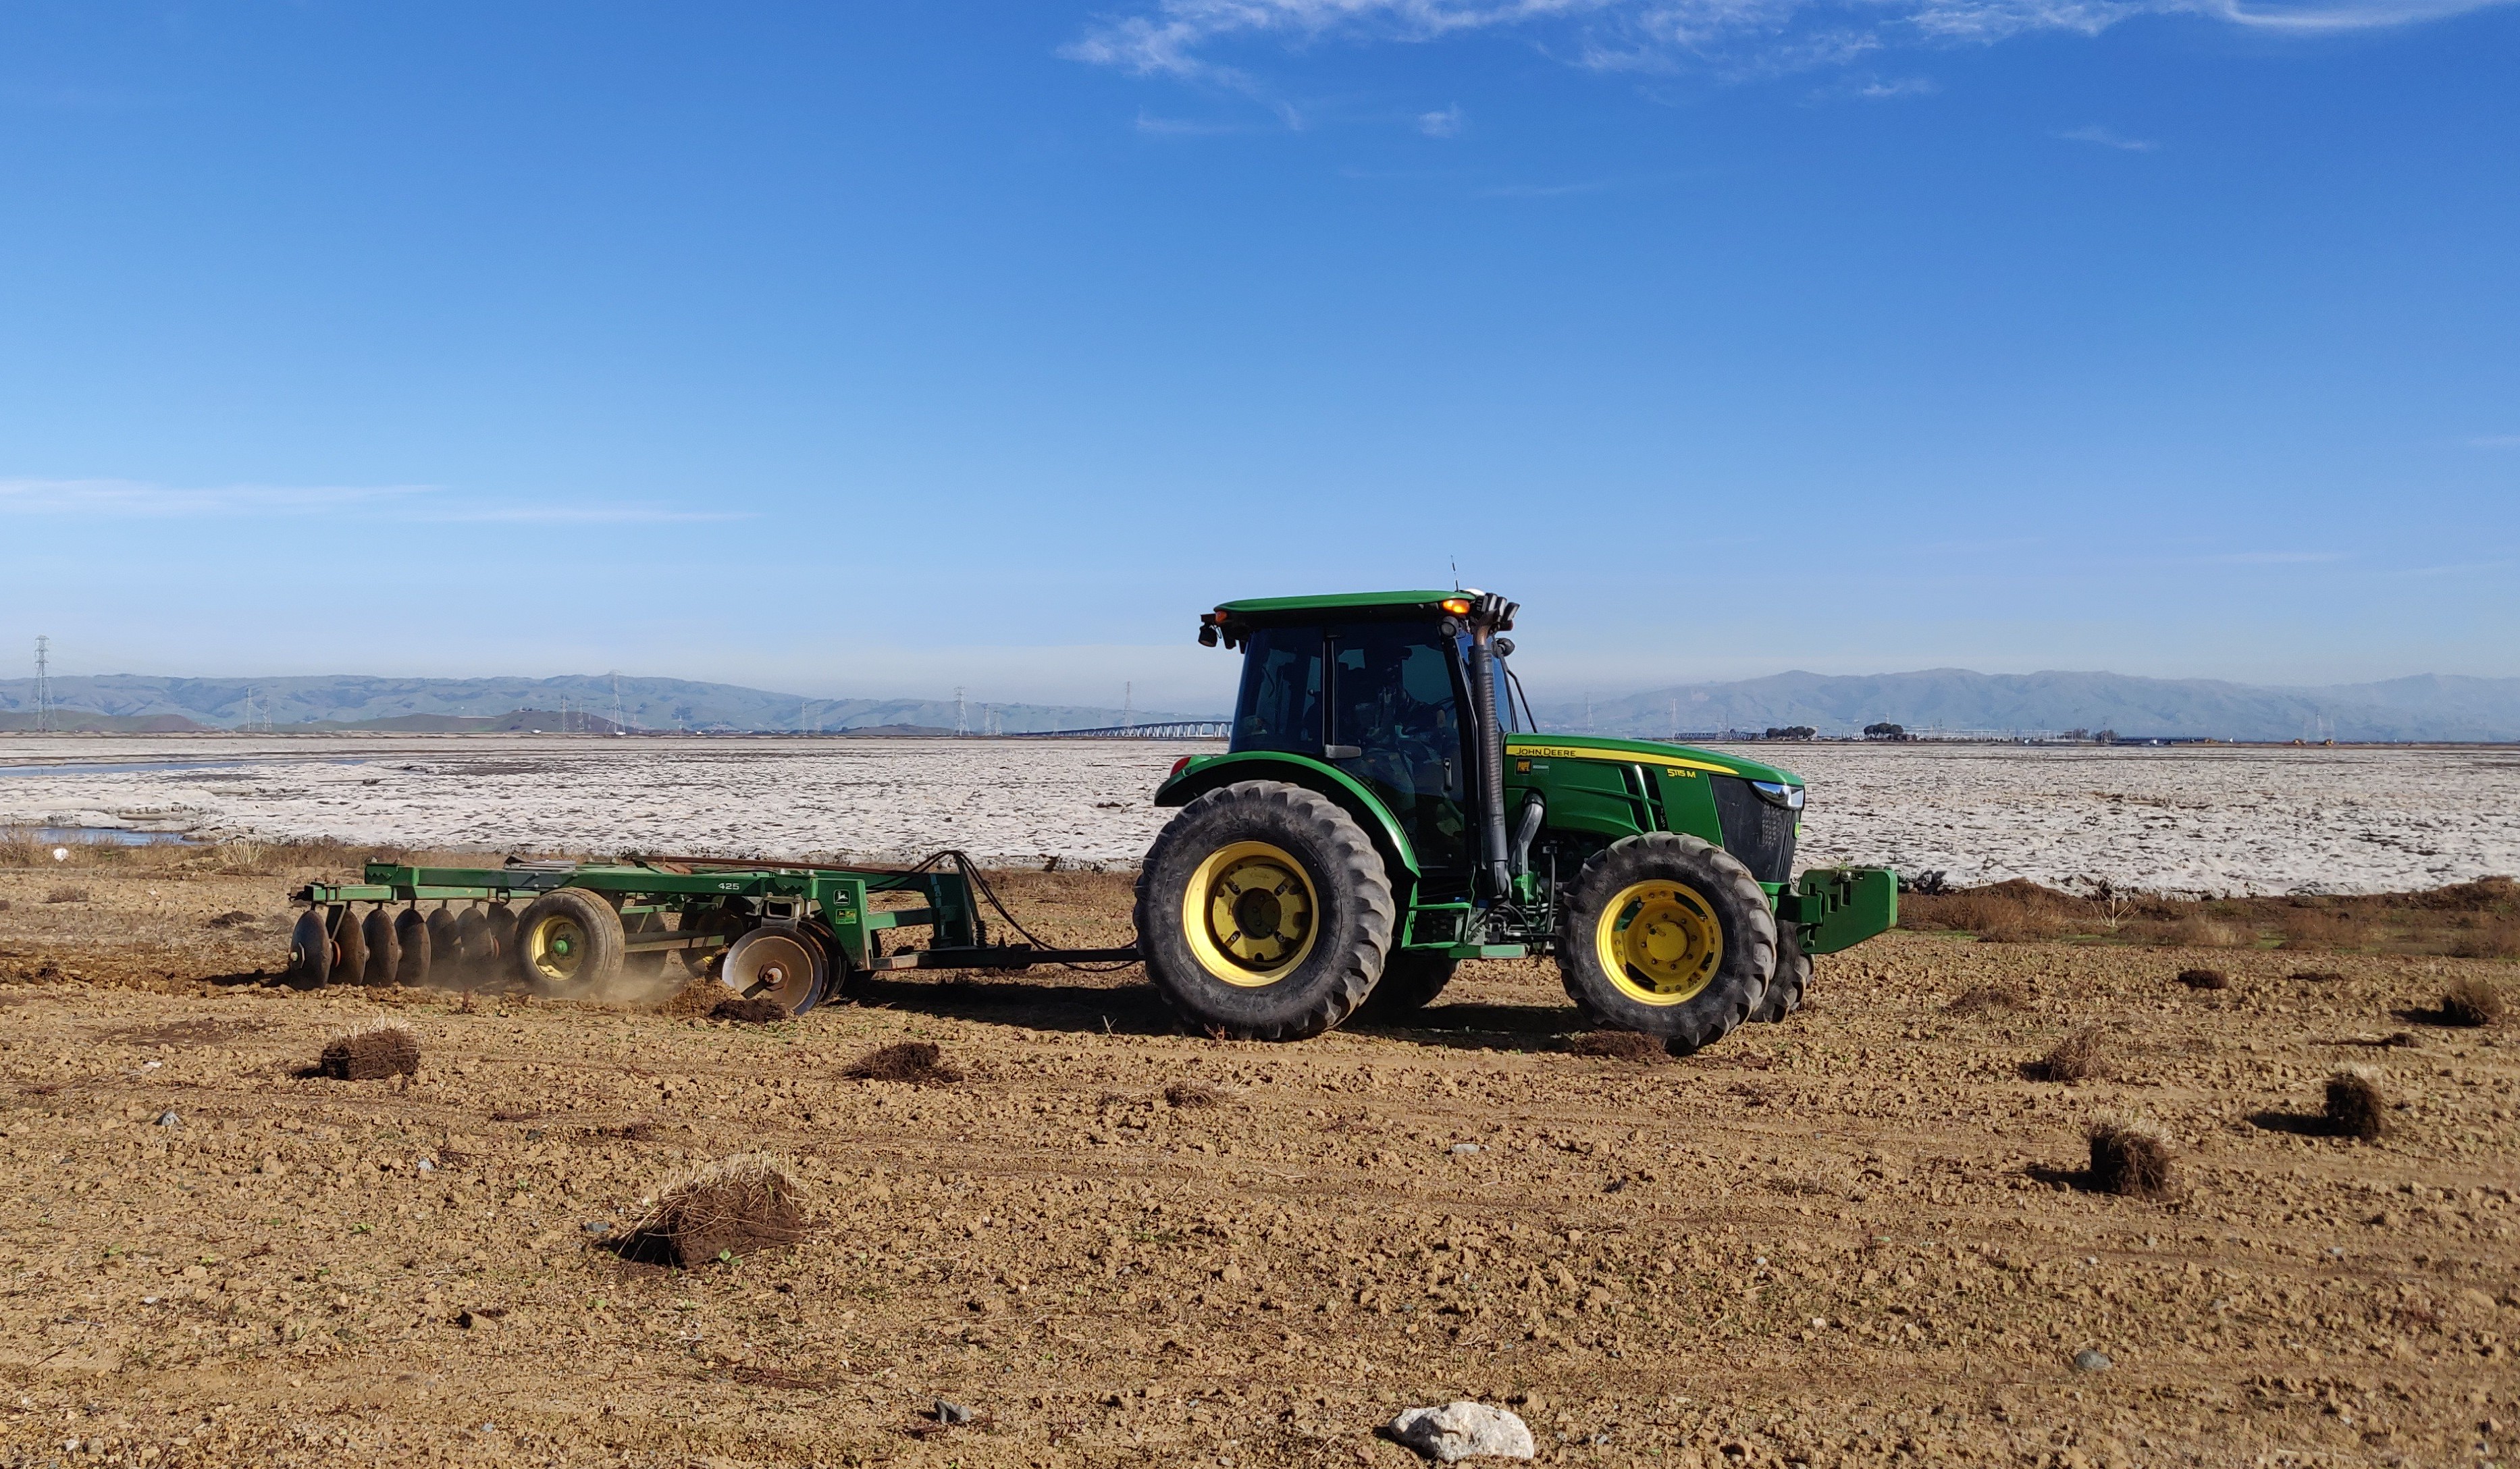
[[917, 1062], [2130, 1158], [2357, 1108], [2081, 1056], [1619, 1045], [753, 1010], [367, 1054], [2472, 1002], [1191, 1095], [1982, 999], [2205, 979], [727, 1210]]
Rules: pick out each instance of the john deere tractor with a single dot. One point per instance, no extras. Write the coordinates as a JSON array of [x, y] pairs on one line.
[[1381, 815]]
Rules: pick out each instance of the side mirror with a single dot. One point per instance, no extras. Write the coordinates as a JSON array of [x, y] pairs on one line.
[[1504, 648]]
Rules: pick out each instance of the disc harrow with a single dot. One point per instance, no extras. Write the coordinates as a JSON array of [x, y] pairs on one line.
[[792, 932]]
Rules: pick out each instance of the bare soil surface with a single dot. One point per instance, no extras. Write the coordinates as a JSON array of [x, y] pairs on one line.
[[1860, 1236]]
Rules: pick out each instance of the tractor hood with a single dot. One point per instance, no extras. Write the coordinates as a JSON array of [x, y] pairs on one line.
[[1643, 752]]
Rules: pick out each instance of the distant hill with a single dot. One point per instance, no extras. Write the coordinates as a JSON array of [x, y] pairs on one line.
[[87, 722], [349, 700], [2427, 706]]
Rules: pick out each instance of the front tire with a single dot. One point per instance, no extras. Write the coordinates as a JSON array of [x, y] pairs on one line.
[[1668, 935], [1264, 912]]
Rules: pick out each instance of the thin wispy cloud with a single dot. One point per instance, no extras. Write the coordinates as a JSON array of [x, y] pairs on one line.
[[2277, 557], [1197, 39], [136, 499], [132, 499], [2496, 441], [1447, 123], [2102, 137], [1891, 90]]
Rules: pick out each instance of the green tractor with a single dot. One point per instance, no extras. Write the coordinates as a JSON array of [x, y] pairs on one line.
[[1380, 815]]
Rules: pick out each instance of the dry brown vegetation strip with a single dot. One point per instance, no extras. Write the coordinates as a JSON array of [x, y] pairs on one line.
[[2479, 919]]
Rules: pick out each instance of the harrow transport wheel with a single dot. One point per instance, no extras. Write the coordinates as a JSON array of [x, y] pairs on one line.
[[568, 943], [782, 964], [349, 947], [1411, 980], [310, 952], [1792, 977], [1669, 935], [1263, 913], [383, 954], [410, 947], [445, 945]]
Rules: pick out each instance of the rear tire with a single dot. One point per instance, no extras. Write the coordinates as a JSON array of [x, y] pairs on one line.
[[1668, 935], [1264, 912], [1411, 980], [570, 944], [1792, 977]]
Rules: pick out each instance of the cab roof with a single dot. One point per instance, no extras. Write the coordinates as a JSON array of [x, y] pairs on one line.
[[1288, 609]]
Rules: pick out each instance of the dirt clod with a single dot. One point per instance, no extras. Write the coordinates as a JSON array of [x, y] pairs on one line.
[[2472, 1002], [1618, 1045], [750, 1011], [67, 895], [726, 1211], [366, 1055], [2357, 1108], [919, 1063], [237, 920], [2205, 979], [2129, 1158], [2082, 1056]]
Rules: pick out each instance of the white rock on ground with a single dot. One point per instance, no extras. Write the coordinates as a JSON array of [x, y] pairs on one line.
[[1464, 1430]]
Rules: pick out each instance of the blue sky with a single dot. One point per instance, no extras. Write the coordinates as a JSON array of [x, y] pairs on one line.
[[881, 348]]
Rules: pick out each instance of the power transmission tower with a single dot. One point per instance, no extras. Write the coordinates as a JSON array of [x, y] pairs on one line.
[[1128, 706], [961, 723], [618, 725], [43, 686]]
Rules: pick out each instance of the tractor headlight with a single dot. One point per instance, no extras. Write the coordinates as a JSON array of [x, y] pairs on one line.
[[1776, 793]]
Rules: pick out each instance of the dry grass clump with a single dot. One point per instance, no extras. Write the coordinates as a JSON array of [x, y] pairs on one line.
[[1987, 999], [2205, 979], [2357, 1108], [750, 1011], [369, 1054], [1619, 1045], [21, 847], [919, 1063], [2472, 1002], [1191, 1095], [67, 895], [722, 1213], [2082, 1056], [2130, 1158]]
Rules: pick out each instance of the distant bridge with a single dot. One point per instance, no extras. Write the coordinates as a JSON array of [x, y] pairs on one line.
[[1175, 728]]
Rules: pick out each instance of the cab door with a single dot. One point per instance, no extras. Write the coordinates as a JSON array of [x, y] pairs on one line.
[[1395, 725]]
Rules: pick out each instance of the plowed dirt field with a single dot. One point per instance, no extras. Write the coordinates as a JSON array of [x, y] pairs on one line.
[[1859, 1237]]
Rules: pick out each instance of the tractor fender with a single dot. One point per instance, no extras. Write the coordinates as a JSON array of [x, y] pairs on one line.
[[1209, 771]]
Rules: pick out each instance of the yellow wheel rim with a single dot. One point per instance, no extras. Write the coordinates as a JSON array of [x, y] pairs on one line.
[[556, 949], [1251, 912], [1660, 942]]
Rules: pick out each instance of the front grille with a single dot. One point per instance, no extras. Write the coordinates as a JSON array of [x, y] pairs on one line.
[[1756, 830]]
